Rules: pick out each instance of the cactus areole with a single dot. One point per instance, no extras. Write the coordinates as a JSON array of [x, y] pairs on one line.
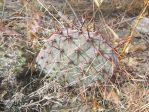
[[77, 57]]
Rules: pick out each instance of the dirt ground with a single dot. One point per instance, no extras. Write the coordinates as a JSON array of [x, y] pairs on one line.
[[26, 25]]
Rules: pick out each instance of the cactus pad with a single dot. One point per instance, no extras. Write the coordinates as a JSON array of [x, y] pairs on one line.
[[77, 57]]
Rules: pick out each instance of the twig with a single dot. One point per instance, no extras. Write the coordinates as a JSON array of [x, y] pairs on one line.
[[130, 37]]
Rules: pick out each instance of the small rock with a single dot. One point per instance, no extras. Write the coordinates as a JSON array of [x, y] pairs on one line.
[[143, 26]]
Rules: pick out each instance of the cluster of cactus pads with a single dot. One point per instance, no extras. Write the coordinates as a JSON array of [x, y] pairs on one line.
[[77, 57]]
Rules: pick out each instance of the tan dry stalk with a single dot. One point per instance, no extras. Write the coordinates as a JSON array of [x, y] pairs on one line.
[[130, 37]]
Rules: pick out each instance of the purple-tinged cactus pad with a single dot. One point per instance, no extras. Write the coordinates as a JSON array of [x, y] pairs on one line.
[[76, 56]]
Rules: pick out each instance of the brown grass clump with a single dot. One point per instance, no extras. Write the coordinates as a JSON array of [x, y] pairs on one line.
[[25, 27]]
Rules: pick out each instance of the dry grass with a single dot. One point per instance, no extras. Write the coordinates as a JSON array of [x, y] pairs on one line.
[[24, 28]]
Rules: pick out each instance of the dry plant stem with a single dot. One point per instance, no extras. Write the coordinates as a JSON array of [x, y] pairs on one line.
[[73, 11], [146, 106], [134, 28], [63, 17], [49, 12], [3, 10]]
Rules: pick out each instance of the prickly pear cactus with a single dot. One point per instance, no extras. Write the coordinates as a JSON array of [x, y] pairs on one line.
[[77, 57]]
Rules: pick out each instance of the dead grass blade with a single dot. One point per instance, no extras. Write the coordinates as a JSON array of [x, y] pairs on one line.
[[115, 36], [134, 28], [98, 2]]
